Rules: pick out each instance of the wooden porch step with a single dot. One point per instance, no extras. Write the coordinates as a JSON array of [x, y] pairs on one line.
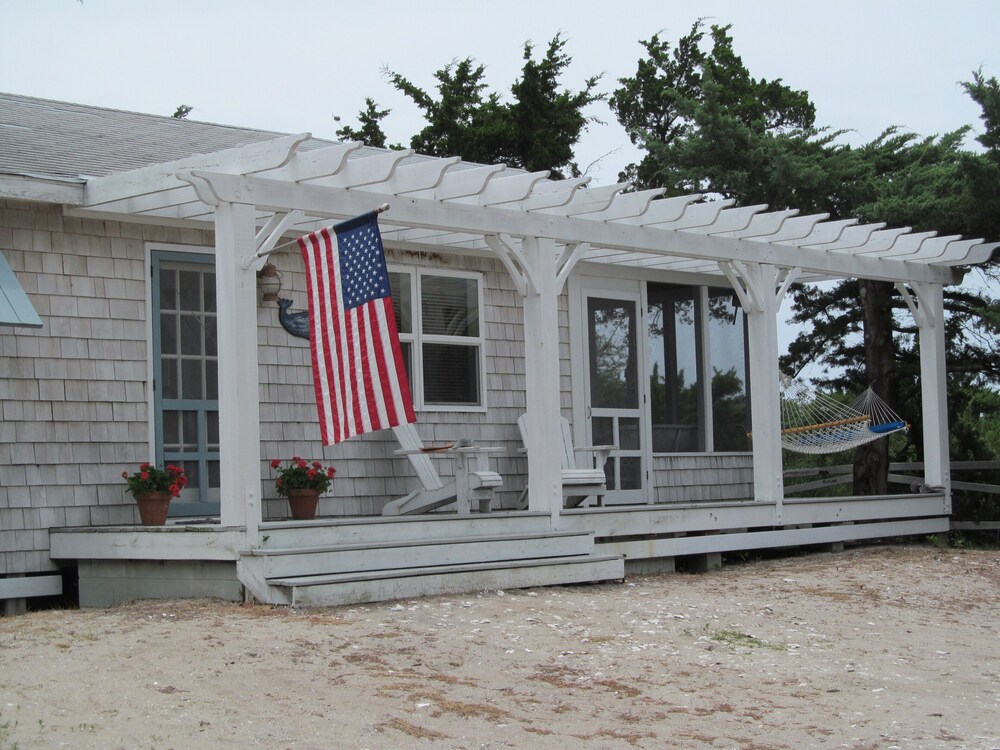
[[302, 561], [339, 531], [384, 585]]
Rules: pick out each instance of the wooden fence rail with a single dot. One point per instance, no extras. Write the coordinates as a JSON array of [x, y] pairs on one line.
[[844, 474]]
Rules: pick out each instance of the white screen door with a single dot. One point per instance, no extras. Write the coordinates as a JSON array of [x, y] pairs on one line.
[[614, 390]]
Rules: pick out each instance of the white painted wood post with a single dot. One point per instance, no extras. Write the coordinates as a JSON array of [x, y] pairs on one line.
[[765, 403], [239, 386], [934, 386], [541, 375]]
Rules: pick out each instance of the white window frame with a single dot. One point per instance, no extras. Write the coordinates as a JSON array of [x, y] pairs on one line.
[[417, 338]]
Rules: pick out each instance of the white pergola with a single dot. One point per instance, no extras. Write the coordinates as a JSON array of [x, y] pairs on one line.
[[539, 229]]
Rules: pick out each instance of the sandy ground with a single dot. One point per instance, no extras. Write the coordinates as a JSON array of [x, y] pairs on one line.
[[880, 647]]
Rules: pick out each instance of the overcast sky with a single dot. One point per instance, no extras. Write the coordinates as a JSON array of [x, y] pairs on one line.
[[291, 65]]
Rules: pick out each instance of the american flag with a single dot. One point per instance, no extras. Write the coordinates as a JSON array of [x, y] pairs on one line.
[[358, 368]]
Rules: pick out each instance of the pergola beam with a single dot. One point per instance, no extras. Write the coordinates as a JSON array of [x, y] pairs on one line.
[[274, 195]]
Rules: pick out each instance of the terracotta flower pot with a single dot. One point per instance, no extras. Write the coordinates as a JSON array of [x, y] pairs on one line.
[[153, 508], [303, 503]]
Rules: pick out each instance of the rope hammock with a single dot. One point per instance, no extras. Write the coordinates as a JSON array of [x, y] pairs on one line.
[[816, 423]]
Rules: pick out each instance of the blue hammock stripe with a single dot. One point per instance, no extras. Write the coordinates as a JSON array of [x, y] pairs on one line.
[[882, 429]]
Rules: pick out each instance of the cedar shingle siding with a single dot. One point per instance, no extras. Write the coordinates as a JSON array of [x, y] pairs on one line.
[[74, 398], [73, 394]]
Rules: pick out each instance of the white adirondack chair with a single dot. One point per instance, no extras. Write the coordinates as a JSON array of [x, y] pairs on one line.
[[581, 478], [473, 479]]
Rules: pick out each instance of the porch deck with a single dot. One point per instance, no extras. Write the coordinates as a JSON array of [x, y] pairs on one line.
[[349, 560]]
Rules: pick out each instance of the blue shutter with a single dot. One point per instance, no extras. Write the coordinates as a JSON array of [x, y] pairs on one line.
[[15, 307]]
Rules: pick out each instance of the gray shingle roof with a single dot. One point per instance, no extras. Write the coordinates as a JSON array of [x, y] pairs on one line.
[[40, 137]]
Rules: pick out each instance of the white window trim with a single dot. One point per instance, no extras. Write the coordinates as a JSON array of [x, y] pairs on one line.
[[417, 338]]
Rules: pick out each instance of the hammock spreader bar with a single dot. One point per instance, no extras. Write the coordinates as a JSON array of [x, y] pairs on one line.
[[835, 423]]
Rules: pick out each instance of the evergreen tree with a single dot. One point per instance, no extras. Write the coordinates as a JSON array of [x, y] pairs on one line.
[[370, 133], [536, 130], [706, 125]]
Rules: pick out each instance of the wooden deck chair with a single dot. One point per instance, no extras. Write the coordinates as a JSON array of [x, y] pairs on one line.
[[581, 478], [473, 479]]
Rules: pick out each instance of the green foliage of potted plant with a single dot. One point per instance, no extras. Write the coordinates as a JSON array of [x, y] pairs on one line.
[[302, 483], [153, 488]]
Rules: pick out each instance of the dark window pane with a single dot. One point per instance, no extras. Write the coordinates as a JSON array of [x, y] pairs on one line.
[[211, 379], [168, 334], [609, 474], [604, 430], [214, 475], [450, 306], [190, 335], [451, 374], [192, 386], [211, 336], [171, 430], [190, 289], [168, 290], [212, 419], [726, 324], [628, 434], [631, 471], [189, 427], [169, 370], [208, 280], [675, 438], [613, 354]]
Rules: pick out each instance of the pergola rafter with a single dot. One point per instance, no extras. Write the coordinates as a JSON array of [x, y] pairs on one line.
[[637, 229]]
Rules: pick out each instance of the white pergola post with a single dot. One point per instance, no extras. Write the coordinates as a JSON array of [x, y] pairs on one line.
[[929, 314], [239, 387], [541, 375], [761, 303]]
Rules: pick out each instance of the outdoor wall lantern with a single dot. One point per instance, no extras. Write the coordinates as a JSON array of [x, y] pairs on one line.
[[268, 283]]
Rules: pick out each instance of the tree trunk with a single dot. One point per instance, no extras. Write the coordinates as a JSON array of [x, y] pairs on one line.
[[871, 461]]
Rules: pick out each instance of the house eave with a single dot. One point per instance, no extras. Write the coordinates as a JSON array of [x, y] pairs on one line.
[[42, 188]]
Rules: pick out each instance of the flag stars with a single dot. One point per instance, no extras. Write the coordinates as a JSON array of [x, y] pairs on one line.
[[362, 266]]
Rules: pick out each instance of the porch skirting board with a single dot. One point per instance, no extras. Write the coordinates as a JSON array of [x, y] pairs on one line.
[[108, 583], [20, 587], [713, 544]]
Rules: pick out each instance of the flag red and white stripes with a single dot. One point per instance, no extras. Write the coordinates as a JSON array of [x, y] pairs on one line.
[[358, 368]]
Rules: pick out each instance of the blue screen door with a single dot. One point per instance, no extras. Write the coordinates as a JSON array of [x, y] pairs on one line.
[[185, 373]]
